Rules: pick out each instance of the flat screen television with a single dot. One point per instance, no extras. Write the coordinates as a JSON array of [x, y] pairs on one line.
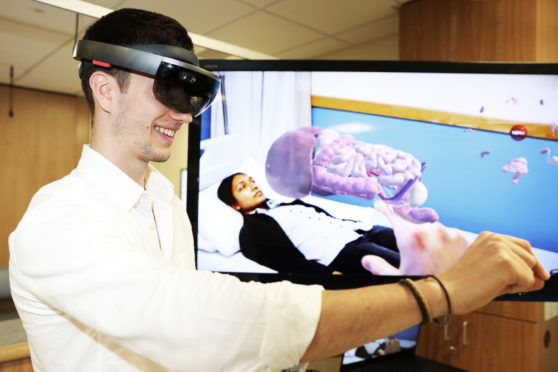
[[473, 146]]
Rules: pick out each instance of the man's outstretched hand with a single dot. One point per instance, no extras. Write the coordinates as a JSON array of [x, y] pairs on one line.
[[493, 265]]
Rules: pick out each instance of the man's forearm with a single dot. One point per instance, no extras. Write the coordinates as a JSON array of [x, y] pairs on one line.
[[351, 318], [493, 265]]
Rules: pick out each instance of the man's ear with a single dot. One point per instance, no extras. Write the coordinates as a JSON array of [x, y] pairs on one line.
[[105, 89]]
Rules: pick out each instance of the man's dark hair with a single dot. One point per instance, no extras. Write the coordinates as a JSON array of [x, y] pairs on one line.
[[224, 192], [130, 27]]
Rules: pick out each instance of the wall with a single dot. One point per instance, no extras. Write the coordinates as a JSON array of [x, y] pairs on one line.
[[42, 142], [546, 31], [39, 144], [479, 30]]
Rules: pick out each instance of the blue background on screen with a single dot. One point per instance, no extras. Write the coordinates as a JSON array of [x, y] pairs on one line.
[[468, 191]]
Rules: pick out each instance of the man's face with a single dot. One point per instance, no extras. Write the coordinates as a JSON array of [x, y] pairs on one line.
[[247, 194], [144, 126]]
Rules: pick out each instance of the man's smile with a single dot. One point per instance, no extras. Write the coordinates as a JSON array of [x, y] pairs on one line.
[[167, 132]]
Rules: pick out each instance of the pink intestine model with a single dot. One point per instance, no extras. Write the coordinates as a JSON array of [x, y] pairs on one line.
[[324, 162]]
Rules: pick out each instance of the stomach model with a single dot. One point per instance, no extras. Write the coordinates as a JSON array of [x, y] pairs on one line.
[[324, 162]]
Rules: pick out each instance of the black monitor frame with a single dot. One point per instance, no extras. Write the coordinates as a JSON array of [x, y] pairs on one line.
[[548, 293]]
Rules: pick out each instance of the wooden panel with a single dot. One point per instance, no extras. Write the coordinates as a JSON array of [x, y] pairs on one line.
[[14, 352], [549, 352], [547, 31], [466, 30], [21, 365], [39, 144], [528, 311], [499, 344], [481, 342]]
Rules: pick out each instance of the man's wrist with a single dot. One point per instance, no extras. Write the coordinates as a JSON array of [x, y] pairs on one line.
[[435, 295]]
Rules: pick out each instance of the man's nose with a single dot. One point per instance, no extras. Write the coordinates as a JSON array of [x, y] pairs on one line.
[[180, 116]]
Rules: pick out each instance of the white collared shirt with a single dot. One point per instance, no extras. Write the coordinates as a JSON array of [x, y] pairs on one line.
[[316, 235], [103, 276]]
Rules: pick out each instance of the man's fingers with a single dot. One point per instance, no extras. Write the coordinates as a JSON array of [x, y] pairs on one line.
[[524, 251], [525, 271], [540, 271]]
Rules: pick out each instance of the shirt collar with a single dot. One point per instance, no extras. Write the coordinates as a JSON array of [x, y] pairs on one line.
[[116, 184], [270, 205]]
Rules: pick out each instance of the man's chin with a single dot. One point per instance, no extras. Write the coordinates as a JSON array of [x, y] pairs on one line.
[[160, 157]]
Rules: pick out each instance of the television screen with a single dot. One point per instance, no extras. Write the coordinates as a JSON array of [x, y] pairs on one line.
[[325, 171], [472, 147]]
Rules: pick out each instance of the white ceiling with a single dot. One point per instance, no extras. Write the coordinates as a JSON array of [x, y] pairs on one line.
[[37, 39]]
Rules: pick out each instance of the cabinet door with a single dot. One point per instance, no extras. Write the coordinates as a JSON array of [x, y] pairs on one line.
[[481, 342], [440, 343]]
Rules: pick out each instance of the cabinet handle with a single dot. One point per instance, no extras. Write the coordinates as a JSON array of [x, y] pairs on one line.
[[446, 336], [465, 341]]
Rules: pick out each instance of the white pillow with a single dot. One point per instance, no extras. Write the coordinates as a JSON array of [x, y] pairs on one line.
[[218, 224]]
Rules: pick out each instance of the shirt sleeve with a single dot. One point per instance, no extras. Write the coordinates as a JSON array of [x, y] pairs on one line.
[[84, 267]]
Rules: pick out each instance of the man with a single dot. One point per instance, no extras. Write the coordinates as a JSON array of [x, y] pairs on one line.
[[299, 237], [101, 265]]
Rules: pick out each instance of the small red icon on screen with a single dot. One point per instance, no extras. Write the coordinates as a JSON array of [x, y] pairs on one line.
[[518, 132]]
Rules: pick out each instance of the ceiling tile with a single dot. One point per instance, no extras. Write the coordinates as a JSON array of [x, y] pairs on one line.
[[371, 31], [57, 72], [212, 54], [313, 49], [386, 48], [265, 33], [196, 16], [39, 15], [333, 16], [259, 4], [23, 46]]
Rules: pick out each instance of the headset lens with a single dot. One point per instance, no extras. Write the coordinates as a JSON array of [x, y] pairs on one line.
[[184, 90]]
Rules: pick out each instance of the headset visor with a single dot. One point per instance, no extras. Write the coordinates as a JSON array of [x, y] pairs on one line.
[[178, 81], [183, 89]]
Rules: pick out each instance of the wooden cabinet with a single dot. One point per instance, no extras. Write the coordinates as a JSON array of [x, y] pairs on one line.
[[502, 336]]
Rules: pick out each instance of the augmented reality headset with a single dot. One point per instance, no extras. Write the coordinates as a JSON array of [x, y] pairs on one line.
[[179, 82]]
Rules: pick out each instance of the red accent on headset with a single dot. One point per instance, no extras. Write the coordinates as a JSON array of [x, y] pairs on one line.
[[102, 64]]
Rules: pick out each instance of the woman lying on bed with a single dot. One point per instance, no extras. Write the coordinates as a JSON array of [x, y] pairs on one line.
[[299, 237]]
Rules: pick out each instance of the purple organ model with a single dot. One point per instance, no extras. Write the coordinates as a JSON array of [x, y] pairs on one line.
[[324, 162]]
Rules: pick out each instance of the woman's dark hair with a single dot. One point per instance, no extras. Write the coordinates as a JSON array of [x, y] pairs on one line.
[[130, 27], [224, 192]]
